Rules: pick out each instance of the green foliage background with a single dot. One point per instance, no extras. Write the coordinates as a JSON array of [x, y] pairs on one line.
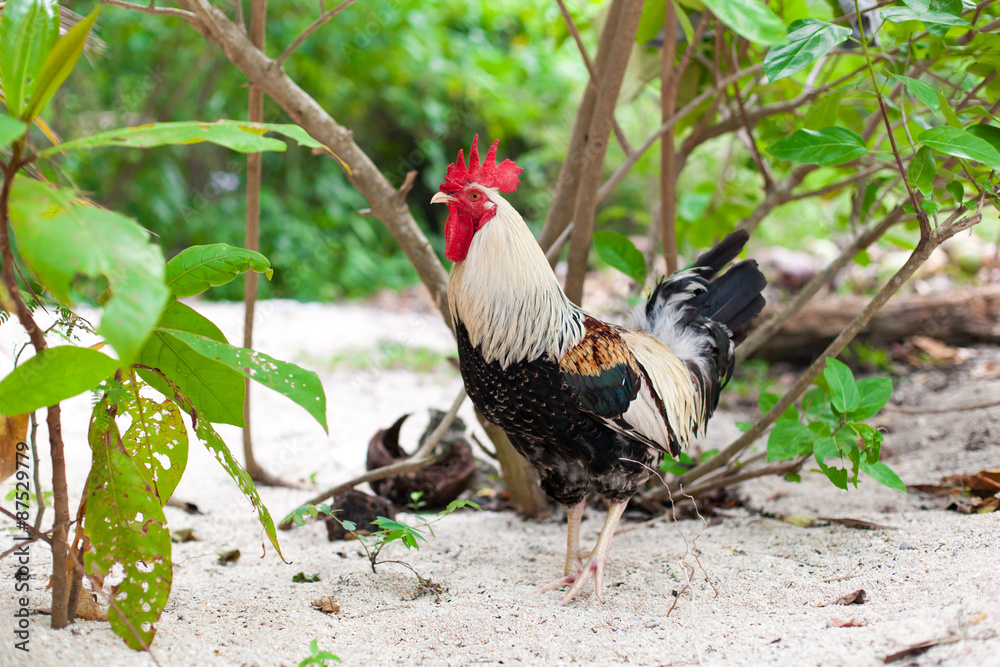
[[415, 81]]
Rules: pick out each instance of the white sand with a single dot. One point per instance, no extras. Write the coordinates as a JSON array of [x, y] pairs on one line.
[[757, 583]]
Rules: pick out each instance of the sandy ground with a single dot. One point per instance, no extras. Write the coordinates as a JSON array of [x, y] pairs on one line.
[[749, 590]]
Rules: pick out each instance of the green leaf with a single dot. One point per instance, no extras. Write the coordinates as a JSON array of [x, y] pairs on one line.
[[60, 62], [621, 254], [61, 238], [808, 40], [988, 133], [793, 477], [824, 111], [194, 270], [751, 19], [875, 393], [823, 449], [28, 30], [813, 403], [217, 390], [922, 169], [872, 437], [827, 147], [903, 14], [125, 524], [157, 440], [883, 474], [240, 136], [653, 17], [684, 21], [788, 439], [53, 375], [946, 110], [923, 91], [844, 395], [10, 130], [298, 384], [957, 190], [961, 143]]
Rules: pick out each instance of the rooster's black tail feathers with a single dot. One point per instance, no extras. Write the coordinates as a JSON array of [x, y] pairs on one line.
[[702, 319]]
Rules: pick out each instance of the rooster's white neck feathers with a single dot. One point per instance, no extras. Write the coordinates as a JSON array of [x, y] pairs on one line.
[[506, 295]]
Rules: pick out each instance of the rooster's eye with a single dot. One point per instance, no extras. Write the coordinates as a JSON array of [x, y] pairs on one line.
[[475, 196]]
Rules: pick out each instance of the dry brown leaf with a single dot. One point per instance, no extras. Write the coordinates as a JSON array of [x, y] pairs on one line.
[[88, 609], [326, 605], [857, 597], [858, 523], [13, 429], [848, 622], [937, 350], [229, 557], [183, 535]]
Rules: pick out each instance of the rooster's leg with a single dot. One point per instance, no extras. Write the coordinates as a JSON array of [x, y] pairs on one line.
[[594, 568], [574, 515]]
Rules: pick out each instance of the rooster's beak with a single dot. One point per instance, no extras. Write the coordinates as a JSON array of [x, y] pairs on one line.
[[442, 198]]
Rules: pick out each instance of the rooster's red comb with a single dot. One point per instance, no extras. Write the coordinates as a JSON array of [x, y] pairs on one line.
[[501, 176]]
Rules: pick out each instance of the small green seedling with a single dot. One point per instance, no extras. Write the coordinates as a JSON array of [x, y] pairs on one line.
[[317, 657], [830, 427]]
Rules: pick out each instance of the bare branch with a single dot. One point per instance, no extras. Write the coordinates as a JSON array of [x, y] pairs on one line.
[[597, 144], [313, 27], [420, 458], [303, 109], [152, 9]]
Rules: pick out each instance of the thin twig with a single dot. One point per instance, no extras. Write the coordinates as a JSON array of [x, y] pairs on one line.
[[313, 27], [39, 493], [422, 457], [152, 9]]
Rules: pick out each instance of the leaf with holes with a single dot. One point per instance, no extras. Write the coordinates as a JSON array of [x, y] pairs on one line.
[[125, 525], [194, 270], [296, 383], [827, 147], [157, 439], [214, 443], [808, 41]]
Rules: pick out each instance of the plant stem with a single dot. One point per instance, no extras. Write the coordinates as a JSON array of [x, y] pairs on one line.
[[60, 527]]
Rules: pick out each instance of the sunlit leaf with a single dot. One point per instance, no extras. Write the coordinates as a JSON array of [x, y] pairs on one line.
[[653, 17], [240, 136], [751, 19], [947, 111], [62, 238], [808, 40], [53, 375], [902, 14], [988, 133], [60, 62], [827, 147], [194, 270], [28, 30]]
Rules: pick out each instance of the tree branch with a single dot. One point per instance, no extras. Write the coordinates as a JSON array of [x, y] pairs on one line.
[[303, 109], [152, 9], [313, 27], [597, 144]]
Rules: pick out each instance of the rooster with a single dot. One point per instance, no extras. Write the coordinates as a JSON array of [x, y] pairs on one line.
[[593, 406]]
